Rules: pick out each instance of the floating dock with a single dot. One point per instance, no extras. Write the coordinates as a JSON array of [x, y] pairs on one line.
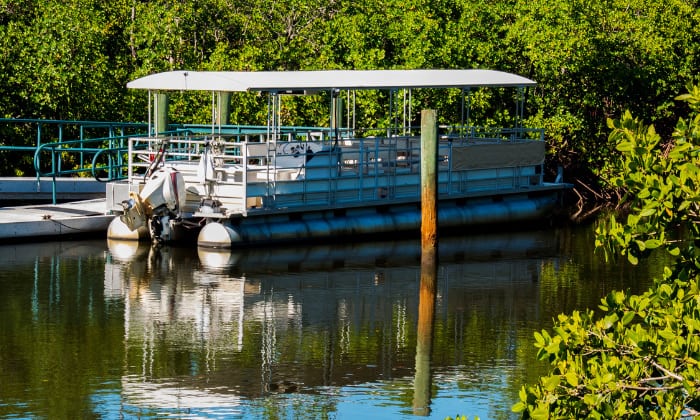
[[42, 189], [54, 221]]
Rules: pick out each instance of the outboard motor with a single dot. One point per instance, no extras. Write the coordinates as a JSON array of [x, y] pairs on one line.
[[158, 203]]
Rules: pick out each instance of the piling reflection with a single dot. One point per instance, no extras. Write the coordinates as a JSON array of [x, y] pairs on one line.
[[424, 335]]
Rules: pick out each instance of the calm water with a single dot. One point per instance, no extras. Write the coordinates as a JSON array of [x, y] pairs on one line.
[[115, 330]]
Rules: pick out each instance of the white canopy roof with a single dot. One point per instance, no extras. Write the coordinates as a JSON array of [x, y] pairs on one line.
[[290, 81]]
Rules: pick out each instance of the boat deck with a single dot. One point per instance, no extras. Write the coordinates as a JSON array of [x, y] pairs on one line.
[[44, 221]]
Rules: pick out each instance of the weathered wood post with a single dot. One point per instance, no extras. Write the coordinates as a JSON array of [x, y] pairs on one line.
[[428, 272], [428, 180]]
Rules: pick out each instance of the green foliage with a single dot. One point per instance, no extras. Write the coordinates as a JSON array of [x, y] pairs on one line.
[[640, 358], [56, 61], [593, 59], [661, 183], [72, 60]]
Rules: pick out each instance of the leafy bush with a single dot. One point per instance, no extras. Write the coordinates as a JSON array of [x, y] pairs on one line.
[[640, 358]]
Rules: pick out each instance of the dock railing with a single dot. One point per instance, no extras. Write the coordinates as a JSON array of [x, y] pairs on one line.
[[23, 140]]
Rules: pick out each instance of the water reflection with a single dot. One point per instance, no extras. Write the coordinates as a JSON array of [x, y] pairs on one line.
[[90, 329], [259, 322]]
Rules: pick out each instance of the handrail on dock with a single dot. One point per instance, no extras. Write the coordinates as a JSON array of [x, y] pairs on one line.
[[32, 136], [56, 130]]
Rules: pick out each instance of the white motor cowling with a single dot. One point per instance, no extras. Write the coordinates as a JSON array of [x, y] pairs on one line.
[[160, 200], [166, 187]]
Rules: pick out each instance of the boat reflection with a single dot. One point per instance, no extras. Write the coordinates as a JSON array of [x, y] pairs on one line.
[[255, 322], [363, 254]]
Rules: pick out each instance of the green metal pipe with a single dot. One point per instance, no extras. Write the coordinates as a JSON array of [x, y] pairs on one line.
[[161, 103], [224, 115]]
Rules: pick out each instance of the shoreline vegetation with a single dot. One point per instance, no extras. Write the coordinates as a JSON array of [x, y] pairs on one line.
[[638, 355]]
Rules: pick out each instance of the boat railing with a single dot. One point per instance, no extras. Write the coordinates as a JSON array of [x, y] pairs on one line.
[[249, 130], [248, 171], [462, 133], [490, 134]]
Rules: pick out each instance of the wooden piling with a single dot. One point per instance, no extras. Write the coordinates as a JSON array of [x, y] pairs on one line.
[[428, 174]]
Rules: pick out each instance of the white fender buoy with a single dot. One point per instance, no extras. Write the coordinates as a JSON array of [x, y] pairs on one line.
[[216, 235], [119, 230]]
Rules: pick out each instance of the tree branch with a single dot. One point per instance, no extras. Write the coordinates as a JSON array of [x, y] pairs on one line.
[[666, 371]]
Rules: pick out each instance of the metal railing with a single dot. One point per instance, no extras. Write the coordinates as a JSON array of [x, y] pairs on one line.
[[106, 150], [252, 168], [17, 131], [40, 139]]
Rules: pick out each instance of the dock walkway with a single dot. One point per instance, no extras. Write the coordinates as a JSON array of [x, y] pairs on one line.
[[31, 188], [54, 221]]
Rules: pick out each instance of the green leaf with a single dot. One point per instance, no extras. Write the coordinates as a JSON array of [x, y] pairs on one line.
[[522, 394], [592, 400], [649, 211], [625, 146], [519, 407], [610, 320], [667, 334], [554, 345], [628, 317], [551, 383], [572, 378], [540, 413], [665, 290], [607, 378]]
